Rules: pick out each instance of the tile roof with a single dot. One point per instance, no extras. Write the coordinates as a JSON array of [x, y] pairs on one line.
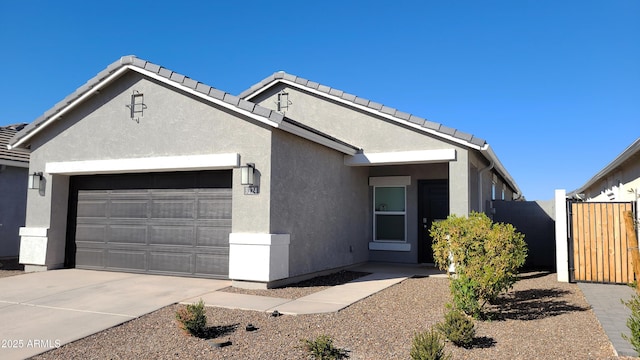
[[6, 133], [400, 115], [170, 75]]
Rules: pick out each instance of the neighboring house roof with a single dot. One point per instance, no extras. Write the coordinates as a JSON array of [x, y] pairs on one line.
[[184, 83], [630, 151], [13, 157], [387, 112]]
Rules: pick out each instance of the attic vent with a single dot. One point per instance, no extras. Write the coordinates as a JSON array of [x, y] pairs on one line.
[[137, 106], [283, 101]]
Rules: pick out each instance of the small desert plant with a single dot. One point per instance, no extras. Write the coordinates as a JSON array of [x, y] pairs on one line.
[[633, 322], [458, 328], [322, 348], [428, 345], [192, 318]]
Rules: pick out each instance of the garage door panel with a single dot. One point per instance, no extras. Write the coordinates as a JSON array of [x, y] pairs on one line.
[[92, 208], [173, 209], [170, 262], [128, 234], [212, 263], [92, 233], [90, 258], [126, 259], [129, 209], [172, 235], [214, 209], [213, 236], [176, 223]]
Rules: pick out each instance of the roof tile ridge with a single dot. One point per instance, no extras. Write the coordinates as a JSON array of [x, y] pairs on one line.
[[401, 115], [132, 60]]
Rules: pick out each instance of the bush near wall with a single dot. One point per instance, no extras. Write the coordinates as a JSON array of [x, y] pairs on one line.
[[487, 257]]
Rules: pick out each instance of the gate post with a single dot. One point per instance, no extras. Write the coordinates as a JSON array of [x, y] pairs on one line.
[[562, 251]]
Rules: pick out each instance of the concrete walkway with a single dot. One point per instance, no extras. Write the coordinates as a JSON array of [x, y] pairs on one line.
[[332, 299], [611, 313]]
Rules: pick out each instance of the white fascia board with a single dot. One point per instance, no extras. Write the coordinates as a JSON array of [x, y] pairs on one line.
[[150, 164], [370, 110], [204, 96], [309, 135], [490, 155], [401, 157], [20, 164], [389, 180], [69, 107]]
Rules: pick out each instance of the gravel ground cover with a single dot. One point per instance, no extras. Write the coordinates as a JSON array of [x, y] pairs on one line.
[[303, 288], [539, 319]]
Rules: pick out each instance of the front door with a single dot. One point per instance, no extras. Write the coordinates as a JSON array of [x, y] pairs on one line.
[[433, 204]]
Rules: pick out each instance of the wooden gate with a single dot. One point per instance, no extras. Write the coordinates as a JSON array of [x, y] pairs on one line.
[[599, 249]]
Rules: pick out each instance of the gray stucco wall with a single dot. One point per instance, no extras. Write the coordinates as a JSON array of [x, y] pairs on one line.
[[173, 124], [417, 172], [373, 134], [13, 195], [356, 127], [320, 202]]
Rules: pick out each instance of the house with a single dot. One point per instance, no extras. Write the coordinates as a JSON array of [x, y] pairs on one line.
[[618, 181], [146, 170], [599, 256], [14, 165]]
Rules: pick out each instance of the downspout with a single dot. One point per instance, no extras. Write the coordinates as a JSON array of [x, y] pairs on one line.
[[482, 171]]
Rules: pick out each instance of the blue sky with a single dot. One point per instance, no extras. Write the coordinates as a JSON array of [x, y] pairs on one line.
[[553, 86]]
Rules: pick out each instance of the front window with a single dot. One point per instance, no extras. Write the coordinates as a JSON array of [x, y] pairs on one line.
[[389, 213]]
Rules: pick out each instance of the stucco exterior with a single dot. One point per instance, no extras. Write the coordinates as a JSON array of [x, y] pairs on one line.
[[318, 163], [173, 124], [322, 203], [617, 181], [14, 167], [13, 192]]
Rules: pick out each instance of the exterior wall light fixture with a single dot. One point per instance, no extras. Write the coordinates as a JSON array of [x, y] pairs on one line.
[[34, 180], [248, 174]]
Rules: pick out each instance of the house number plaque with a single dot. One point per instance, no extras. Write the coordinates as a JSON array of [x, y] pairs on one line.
[[251, 190]]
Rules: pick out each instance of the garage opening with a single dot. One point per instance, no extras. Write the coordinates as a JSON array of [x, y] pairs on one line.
[[159, 223]]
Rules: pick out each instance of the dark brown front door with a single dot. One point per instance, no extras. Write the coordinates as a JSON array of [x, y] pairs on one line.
[[433, 204]]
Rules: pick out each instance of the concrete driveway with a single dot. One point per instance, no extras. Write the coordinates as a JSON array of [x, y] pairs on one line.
[[41, 311]]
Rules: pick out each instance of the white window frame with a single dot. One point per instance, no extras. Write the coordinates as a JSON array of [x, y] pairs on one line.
[[390, 181], [393, 213]]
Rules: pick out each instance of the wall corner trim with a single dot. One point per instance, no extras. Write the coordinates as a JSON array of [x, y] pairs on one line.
[[258, 257]]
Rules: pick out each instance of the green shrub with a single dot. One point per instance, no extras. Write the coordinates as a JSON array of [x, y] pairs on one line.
[[465, 298], [192, 318], [487, 256], [458, 328], [428, 345], [633, 322], [322, 348]]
